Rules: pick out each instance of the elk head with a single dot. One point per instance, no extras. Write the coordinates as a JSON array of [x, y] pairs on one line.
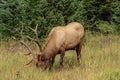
[[42, 62]]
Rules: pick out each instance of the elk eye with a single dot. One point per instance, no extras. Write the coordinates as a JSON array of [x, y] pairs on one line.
[[43, 58]]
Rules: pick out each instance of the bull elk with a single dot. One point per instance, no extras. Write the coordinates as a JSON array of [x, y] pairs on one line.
[[59, 40]]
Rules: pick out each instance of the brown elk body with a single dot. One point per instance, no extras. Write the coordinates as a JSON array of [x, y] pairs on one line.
[[61, 39]]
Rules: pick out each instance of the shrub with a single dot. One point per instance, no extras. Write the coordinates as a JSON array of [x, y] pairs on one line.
[[105, 27]]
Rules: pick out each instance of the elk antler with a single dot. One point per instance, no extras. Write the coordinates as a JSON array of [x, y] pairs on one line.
[[30, 51], [36, 37]]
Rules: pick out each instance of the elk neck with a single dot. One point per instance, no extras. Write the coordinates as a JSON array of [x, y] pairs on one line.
[[50, 50]]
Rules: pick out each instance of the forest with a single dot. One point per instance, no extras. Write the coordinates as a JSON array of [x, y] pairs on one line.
[[101, 16]]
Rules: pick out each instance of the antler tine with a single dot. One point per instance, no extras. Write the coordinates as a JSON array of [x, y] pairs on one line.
[[21, 32], [36, 41], [35, 30], [36, 37], [23, 43], [30, 38]]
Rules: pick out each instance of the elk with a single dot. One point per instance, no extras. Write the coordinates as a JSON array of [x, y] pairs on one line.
[[59, 40]]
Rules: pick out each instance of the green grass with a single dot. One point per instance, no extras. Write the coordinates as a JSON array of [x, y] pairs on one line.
[[100, 61]]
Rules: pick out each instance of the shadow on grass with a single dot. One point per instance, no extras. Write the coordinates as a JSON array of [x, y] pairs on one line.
[[70, 61]]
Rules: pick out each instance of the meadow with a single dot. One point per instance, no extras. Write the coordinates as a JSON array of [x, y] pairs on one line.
[[100, 61]]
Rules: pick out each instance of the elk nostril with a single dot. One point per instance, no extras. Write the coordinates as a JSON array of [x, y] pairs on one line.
[[37, 65]]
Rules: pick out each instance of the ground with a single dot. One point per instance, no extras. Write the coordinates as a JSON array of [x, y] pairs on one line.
[[100, 61]]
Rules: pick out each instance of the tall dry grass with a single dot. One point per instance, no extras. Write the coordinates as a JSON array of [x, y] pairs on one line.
[[100, 61]]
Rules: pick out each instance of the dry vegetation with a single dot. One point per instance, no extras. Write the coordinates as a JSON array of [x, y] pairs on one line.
[[100, 61]]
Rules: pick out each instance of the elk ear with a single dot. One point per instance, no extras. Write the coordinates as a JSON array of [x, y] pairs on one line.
[[42, 57]]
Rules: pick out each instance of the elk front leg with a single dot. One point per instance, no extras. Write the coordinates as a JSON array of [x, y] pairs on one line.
[[78, 51], [61, 59], [51, 63]]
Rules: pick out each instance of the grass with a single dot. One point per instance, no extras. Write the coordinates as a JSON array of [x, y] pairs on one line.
[[100, 61]]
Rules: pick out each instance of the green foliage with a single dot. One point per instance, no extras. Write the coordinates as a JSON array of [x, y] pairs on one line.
[[111, 75], [50, 13], [116, 15], [10, 17], [94, 11], [105, 27]]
